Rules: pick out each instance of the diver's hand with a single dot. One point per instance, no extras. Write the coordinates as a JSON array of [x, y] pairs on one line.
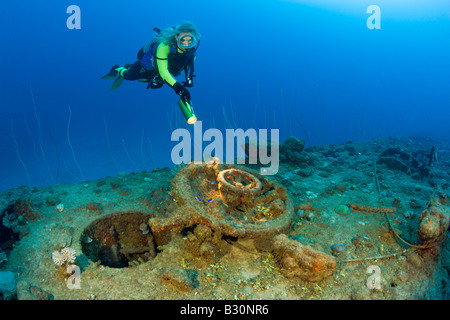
[[182, 91], [188, 83]]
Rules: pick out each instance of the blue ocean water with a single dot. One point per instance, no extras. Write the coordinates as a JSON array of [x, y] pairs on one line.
[[312, 69]]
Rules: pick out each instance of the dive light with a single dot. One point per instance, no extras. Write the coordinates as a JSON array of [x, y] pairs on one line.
[[188, 111]]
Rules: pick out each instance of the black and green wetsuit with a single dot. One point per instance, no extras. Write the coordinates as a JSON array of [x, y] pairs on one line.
[[170, 62]]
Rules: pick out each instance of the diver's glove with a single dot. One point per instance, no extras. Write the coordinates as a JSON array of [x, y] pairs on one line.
[[189, 83], [182, 91]]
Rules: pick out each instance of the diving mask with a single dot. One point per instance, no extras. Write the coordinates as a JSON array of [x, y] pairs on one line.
[[187, 41]]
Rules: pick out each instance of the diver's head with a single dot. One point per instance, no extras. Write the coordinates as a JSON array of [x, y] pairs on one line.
[[187, 36], [186, 40]]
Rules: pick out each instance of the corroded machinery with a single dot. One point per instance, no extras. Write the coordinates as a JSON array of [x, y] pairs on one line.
[[237, 202]]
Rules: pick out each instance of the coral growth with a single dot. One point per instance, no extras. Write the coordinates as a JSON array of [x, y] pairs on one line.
[[3, 256], [433, 223], [291, 150], [371, 209], [26, 291], [402, 160], [298, 260], [7, 282], [24, 208], [66, 255]]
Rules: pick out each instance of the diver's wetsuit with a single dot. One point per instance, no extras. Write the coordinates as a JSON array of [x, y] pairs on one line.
[[169, 63], [136, 71]]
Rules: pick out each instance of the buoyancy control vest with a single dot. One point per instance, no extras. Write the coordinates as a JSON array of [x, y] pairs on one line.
[[177, 60]]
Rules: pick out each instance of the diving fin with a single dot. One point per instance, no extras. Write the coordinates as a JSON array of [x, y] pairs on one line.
[[116, 84], [119, 80], [112, 73]]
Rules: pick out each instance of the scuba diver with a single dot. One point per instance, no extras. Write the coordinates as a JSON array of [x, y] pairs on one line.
[[169, 53]]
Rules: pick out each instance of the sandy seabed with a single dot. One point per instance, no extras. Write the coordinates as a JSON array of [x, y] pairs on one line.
[[370, 262]]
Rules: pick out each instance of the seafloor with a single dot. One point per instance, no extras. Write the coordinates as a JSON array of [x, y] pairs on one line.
[[342, 197]]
